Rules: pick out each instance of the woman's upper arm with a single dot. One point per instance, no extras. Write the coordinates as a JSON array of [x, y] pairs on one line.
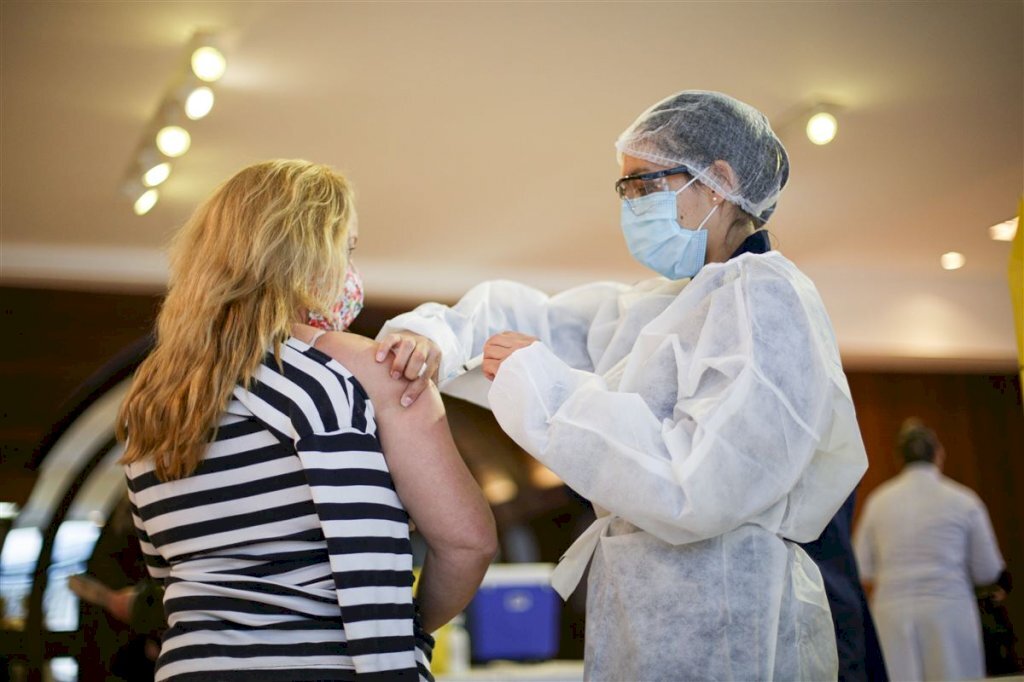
[[430, 476]]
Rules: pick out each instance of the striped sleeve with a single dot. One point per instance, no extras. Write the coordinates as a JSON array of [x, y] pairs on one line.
[[326, 413], [155, 563]]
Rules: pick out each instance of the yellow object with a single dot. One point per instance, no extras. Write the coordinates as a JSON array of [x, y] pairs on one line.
[[1015, 275], [439, 662]]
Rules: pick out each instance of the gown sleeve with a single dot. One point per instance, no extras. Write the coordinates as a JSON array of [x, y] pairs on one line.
[[561, 321], [752, 403]]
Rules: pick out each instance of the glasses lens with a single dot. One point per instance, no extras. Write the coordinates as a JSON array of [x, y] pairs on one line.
[[634, 188], [631, 189]]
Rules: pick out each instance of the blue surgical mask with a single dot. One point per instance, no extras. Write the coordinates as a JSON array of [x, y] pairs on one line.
[[657, 240]]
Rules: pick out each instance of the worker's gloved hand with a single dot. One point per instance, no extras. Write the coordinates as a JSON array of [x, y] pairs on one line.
[[501, 346], [416, 359]]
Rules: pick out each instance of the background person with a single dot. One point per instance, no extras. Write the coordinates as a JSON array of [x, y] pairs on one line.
[[923, 543], [709, 421], [272, 472]]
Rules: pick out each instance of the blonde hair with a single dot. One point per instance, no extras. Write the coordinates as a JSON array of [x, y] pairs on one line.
[[270, 242]]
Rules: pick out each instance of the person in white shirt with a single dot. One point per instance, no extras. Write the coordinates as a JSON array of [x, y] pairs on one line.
[[923, 543]]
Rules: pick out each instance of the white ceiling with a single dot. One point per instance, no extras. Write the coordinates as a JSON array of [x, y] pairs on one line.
[[479, 137]]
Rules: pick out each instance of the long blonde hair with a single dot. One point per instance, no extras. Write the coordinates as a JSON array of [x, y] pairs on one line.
[[270, 242]]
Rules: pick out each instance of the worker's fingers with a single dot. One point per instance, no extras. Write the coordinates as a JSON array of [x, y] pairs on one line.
[[418, 358], [403, 351], [414, 389], [385, 345], [494, 351], [433, 364], [512, 340], [499, 347], [490, 367]]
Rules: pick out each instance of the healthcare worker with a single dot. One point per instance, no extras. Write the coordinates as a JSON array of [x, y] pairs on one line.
[[705, 412], [924, 541]]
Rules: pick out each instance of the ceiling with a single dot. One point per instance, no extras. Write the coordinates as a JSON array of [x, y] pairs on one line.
[[479, 137]]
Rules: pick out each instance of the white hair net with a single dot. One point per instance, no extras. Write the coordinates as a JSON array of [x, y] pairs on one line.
[[695, 128]]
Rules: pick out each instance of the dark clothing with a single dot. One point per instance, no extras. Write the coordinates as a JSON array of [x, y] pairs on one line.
[[860, 656]]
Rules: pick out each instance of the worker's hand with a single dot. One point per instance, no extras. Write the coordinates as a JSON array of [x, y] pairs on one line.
[[499, 347], [417, 359]]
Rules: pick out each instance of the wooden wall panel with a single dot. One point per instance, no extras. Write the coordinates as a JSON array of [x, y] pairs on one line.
[[980, 421]]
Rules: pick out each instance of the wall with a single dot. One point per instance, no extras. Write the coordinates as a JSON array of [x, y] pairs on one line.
[[980, 421]]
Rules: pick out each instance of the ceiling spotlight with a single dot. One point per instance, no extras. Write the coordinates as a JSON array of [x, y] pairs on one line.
[[1004, 231], [173, 141], [822, 127], [208, 63], [953, 260], [152, 167], [146, 201], [141, 197], [157, 174], [199, 103]]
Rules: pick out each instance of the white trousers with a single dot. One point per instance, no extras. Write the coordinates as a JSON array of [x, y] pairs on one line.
[[930, 639]]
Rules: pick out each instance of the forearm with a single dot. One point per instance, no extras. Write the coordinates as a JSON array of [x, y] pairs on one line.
[[448, 581]]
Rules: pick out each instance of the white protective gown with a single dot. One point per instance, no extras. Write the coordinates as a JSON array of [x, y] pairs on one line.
[[711, 425], [926, 541]]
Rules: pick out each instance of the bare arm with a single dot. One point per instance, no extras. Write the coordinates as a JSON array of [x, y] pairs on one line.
[[432, 481]]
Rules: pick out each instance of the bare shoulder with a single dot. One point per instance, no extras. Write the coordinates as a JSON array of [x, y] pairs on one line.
[[356, 353]]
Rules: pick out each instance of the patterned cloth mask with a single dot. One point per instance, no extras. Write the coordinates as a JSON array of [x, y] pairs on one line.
[[346, 308]]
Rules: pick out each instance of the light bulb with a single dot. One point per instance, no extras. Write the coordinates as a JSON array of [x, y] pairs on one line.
[[1004, 231], [146, 202], [821, 128], [208, 63], [173, 141], [542, 477], [952, 260], [157, 174], [198, 103], [498, 488]]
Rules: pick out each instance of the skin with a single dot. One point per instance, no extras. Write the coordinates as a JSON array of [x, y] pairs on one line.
[[417, 358]]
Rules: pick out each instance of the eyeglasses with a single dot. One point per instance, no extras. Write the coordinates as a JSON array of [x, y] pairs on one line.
[[641, 184], [633, 187]]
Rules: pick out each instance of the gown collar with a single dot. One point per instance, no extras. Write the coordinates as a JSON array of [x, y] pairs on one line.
[[757, 242]]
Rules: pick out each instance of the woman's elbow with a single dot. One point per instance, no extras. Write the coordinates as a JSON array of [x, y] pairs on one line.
[[476, 542], [482, 538]]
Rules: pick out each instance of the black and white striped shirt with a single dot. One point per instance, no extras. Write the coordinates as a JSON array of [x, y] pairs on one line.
[[286, 555]]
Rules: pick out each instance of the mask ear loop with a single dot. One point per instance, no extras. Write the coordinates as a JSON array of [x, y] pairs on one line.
[[713, 208], [708, 216]]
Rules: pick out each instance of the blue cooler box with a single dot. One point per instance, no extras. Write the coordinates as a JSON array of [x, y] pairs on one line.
[[515, 615]]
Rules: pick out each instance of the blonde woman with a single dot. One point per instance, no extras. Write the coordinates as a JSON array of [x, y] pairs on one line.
[[272, 470]]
